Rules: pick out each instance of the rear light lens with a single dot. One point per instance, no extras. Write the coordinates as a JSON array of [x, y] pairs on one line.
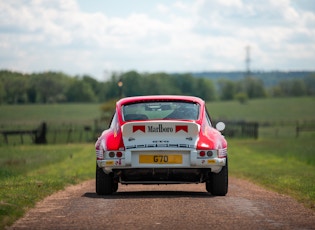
[[209, 153], [202, 153], [112, 154], [119, 154]]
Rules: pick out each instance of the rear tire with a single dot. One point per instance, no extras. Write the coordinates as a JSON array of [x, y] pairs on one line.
[[104, 183], [217, 184]]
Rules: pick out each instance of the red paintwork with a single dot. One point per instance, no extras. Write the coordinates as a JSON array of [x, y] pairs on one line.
[[209, 137]]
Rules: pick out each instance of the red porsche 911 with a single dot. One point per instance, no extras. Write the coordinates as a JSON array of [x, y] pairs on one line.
[[162, 140]]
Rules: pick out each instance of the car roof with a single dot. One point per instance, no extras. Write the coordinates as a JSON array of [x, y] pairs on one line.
[[130, 100]]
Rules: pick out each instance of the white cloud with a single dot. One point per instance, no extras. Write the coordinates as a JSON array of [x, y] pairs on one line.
[[179, 36], [162, 8]]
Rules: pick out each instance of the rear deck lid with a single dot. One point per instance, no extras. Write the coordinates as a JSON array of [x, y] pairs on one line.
[[160, 134]]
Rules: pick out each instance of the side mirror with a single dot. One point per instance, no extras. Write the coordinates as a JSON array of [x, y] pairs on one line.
[[220, 126]]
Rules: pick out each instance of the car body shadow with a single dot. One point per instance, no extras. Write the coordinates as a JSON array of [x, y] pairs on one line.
[[149, 195]]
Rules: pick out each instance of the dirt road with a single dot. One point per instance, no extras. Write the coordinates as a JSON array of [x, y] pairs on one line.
[[246, 206]]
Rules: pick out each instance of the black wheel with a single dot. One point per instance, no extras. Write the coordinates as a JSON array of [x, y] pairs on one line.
[[104, 183], [217, 184]]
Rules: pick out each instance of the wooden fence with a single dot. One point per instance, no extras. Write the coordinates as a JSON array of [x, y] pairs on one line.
[[304, 127], [38, 135], [48, 133], [241, 129], [70, 133]]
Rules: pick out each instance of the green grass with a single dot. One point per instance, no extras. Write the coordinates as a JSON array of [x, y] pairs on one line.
[[277, 160], [30, 173], [262, 110], [265, 110], [277, 116], [51, 113], [285, 165], [59, 118]]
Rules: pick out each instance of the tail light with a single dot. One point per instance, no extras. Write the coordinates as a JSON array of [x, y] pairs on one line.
[[208, 153], [113, 154]]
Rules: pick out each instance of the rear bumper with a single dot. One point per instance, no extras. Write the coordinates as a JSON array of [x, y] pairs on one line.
[[190, 161], [161, 176]]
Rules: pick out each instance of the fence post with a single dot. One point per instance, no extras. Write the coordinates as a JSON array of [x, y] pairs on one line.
[[40, 135], [69, 135], [256, 126], [5, 138], [21, 137]]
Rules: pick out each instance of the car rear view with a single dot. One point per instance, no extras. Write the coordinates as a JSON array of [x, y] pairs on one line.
[[161, 140]]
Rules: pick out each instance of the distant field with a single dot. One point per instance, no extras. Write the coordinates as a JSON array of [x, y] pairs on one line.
[[262, 110], [51, 113], [65, 122], [266, 110], [281, 114]]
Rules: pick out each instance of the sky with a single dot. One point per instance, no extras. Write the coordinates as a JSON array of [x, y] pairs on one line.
[[101, 37]]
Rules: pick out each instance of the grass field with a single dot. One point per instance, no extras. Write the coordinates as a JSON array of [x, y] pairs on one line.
[[275, 110], [29, 173], [262, 110], [51, 113], [281, 113], [283, 163]]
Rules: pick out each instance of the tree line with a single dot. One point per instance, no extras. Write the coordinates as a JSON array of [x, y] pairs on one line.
[[58, 87]]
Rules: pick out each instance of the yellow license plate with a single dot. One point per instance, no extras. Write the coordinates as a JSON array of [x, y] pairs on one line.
[[161, 159]]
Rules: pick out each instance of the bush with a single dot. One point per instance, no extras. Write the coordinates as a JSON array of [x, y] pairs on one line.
[[241, 97]]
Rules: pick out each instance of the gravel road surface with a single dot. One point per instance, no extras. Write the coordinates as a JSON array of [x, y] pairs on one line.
[[246, 206]]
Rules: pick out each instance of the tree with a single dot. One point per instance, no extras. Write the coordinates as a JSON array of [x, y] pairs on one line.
[[95, 85], [80, 91], [159, 84], [298, 88], [15, 86], [58, 87], [50, 87], [227, 89], [186, 84], [310, 84], [290, 88], [2, 93], [285, 87], [241, 97], [132, 84], [252, 87], [205, 89]]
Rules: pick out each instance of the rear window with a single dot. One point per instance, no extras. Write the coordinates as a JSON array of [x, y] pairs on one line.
[[161, 110]]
